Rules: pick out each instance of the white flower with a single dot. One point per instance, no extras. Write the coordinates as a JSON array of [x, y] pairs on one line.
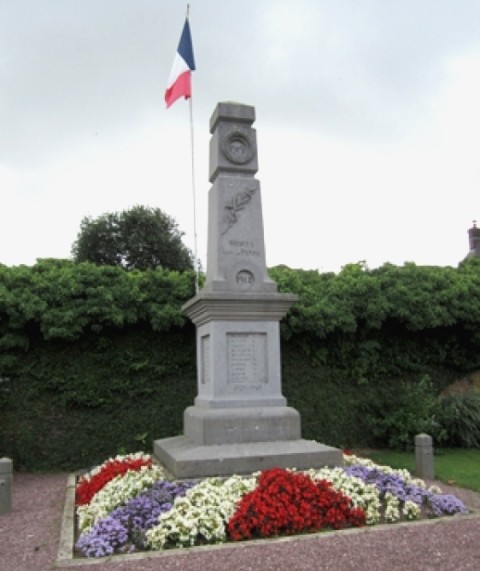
[[392, 512], [116, 493], [411, 510], [362, 495], [201, 514]]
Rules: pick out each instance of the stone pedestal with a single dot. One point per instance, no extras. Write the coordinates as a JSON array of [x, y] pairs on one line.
[[240, 421]]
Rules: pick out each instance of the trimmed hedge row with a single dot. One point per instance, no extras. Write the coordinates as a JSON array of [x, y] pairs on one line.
[[96, 361]]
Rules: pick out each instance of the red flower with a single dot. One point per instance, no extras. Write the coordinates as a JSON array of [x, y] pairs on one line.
[[87, 488], [285, 503]]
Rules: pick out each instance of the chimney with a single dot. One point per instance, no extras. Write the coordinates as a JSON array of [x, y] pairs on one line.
[[474, 240]]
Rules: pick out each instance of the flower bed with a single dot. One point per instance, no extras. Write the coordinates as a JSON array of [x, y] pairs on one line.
[[127, 504]]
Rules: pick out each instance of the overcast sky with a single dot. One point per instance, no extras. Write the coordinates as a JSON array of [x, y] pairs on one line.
[[368, 122]]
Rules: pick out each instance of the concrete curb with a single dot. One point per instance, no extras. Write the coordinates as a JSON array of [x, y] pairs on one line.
[[67, 532]]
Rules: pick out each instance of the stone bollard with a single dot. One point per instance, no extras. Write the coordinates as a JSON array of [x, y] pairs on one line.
[[424, 456], [6, 471]]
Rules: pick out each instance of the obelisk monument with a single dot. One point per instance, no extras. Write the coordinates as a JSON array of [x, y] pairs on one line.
[[240, 421]]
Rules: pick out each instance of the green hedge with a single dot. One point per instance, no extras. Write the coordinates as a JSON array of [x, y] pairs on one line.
[[71, 404], [387, 321], [95, 360], [57, 299]]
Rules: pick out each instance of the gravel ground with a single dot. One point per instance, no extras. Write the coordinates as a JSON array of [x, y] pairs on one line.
[[29, 541]]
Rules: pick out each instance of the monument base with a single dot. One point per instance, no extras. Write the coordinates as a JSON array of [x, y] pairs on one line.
[[185, 459], [241, 425]]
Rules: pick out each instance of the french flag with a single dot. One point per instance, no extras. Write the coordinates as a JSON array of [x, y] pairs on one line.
[[179, 83]]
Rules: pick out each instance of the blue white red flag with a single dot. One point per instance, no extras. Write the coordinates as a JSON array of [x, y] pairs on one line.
[[180, 81]]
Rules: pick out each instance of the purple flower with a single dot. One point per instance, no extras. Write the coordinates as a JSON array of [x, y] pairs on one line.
[[104, 538], [124, 529], [437, 504], [358, 471], [392, 483], [441, 504]]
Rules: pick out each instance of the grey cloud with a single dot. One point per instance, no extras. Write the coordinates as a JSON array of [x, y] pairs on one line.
[[368, 70]]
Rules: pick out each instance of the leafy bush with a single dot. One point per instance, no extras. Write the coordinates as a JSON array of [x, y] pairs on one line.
[[401, 410], [57, 299], [459, 416]]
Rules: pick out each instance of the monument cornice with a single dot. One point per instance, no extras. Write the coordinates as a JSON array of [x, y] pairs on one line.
[[219, 306]]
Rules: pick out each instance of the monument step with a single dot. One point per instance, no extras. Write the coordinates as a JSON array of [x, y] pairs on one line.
[[186, 459]]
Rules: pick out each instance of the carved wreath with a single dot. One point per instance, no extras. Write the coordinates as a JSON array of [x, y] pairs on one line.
[[234, 207], [238, 146]]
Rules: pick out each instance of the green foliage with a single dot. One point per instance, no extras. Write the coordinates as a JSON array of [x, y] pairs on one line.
[[398, 410], [328, 404], [140, 238], [70, 404], [94, 359], [415, 297], [459, 416], [373, 323], [44, 436], [58, 299]]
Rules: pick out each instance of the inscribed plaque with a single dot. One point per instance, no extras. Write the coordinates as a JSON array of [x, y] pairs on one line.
[[247, 358], [206, 374]]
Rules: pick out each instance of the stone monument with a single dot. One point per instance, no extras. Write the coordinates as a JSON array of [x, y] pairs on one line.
[[240, 421]]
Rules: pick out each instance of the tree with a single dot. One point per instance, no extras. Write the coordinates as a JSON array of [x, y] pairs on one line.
[[140, 238]]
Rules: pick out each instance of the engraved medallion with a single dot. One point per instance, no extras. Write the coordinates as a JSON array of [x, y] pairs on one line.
[[244, 279], [238, 147]]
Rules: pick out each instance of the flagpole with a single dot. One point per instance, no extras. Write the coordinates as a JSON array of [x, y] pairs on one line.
[[192, 143], [193, 194]]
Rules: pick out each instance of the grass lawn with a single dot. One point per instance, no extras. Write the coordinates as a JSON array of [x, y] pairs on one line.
[[456, 466]]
